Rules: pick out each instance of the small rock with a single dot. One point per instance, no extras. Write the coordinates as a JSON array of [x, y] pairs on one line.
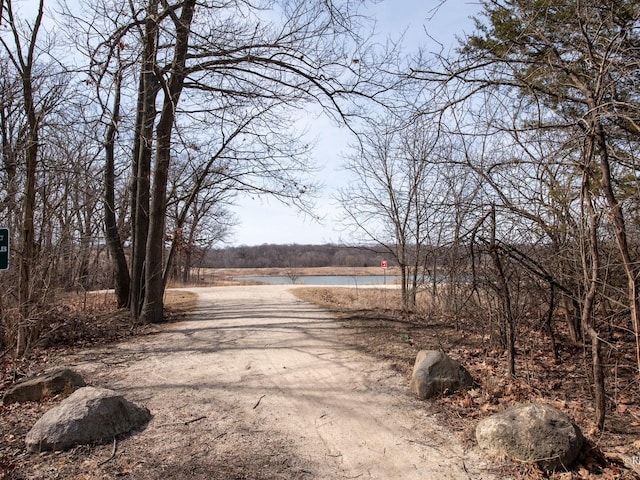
[[36, 388], [534, 433], [434, 373], [89, 415]]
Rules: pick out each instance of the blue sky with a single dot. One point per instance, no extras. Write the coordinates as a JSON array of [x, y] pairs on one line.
[[264, 220]]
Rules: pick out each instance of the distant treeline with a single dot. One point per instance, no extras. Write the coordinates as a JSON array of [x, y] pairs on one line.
[[298, 256]]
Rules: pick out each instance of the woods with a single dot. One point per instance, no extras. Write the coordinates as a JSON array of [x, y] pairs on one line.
[[501, 177], [178, 107], [535, 118]]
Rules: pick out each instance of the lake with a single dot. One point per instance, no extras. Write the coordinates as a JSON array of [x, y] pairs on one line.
[[325, 280]]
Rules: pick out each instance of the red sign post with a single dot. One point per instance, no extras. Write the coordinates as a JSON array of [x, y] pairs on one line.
[[383, 265]]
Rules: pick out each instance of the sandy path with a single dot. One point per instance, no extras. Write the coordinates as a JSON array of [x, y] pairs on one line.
[[257, 369]]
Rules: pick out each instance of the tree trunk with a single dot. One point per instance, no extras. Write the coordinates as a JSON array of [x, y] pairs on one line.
[[507, 310], [617, 217], [147, 93], [548, 320], [31, 161], [153, 307], [404, 279], [186, 273], [114, 241], [587, 317], [28, 249]]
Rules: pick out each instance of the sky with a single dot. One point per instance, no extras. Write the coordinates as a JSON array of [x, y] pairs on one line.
[[265, 220]]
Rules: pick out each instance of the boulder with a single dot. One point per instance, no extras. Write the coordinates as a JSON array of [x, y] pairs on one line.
[[434, 373], [63, 381], [89, 415], [533, 433]]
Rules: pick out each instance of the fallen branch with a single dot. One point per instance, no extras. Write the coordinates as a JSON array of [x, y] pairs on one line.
[[113, 453], [182, 423], [258, 402], [195, 420], [424, 444]]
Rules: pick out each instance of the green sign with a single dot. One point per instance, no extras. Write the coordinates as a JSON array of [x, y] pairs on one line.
[[4, 249]]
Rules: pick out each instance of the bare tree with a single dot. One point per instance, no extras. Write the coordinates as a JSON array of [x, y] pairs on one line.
[[561, 68], [23, 59], [395, 195], [39, 94], [198, 215], [220, 80], [98, 30], [247, 60]]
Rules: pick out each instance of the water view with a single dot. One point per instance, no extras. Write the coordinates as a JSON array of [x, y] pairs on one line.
[[351, 280]]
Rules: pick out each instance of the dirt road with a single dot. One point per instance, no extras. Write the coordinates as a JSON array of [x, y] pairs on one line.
[[257, 384]]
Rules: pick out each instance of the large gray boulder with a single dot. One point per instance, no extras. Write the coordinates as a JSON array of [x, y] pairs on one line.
[[34, 389], [434, 373], [533, 433], [89, 415]]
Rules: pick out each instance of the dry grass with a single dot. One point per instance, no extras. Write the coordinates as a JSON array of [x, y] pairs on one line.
[[361, 298], [180, 300], [232, 276]]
